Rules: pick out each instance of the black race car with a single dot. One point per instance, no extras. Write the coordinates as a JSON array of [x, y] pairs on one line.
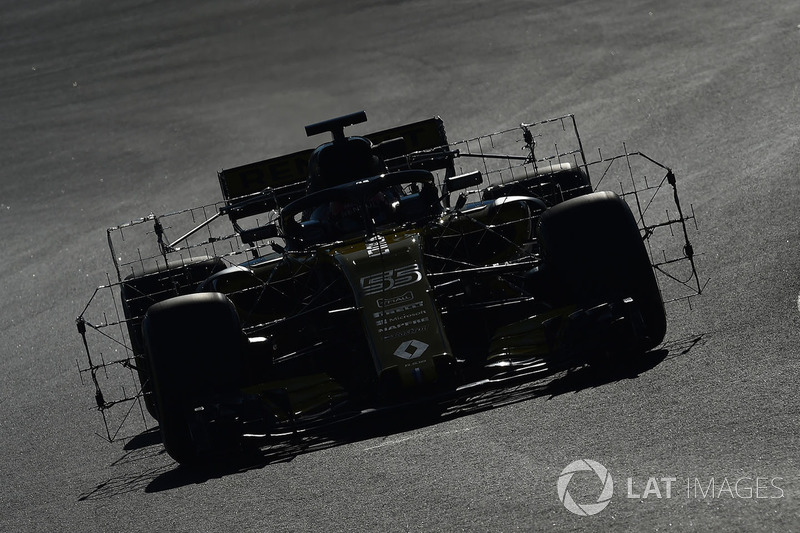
[[380, 270]]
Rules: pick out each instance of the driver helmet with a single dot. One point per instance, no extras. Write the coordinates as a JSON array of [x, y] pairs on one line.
[[342, 161]]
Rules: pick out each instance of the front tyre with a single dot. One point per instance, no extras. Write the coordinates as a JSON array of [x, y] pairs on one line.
[[142, 289], [594, 253], [195, 346]]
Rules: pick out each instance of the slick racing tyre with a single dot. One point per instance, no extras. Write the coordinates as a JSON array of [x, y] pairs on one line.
[[141, 290], [195, 344], [594, 253], [552, 188]]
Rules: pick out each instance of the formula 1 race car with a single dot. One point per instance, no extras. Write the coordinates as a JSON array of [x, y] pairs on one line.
[[387, 269]]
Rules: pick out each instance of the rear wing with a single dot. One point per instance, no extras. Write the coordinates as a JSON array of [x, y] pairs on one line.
[[286, 175]]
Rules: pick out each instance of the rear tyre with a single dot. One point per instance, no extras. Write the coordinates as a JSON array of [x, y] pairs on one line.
[[594, 253], [552, 188], [194, 344]]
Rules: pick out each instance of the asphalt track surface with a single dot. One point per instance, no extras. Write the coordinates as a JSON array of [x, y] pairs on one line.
[[111, 110]]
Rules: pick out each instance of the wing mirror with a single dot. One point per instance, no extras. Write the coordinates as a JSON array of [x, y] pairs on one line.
[[459, 183], [463, 181], [250, 236]]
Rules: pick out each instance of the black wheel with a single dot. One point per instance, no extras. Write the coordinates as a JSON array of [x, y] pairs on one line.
[[594, 253], [139, 291], [552, 188], [571, 183], [195, 344]]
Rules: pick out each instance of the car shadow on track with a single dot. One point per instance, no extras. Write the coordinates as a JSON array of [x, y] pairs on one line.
[[147, 446]]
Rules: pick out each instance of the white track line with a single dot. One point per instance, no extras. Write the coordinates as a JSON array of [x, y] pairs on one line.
[[416, 436]]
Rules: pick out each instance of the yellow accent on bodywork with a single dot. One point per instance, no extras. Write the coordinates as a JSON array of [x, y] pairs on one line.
[[529, 337], [302, 395]]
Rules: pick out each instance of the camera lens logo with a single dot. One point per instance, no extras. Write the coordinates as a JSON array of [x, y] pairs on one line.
[[585, 509]]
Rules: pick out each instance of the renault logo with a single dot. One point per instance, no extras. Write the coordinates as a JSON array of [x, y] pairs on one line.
[[411, 349]]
